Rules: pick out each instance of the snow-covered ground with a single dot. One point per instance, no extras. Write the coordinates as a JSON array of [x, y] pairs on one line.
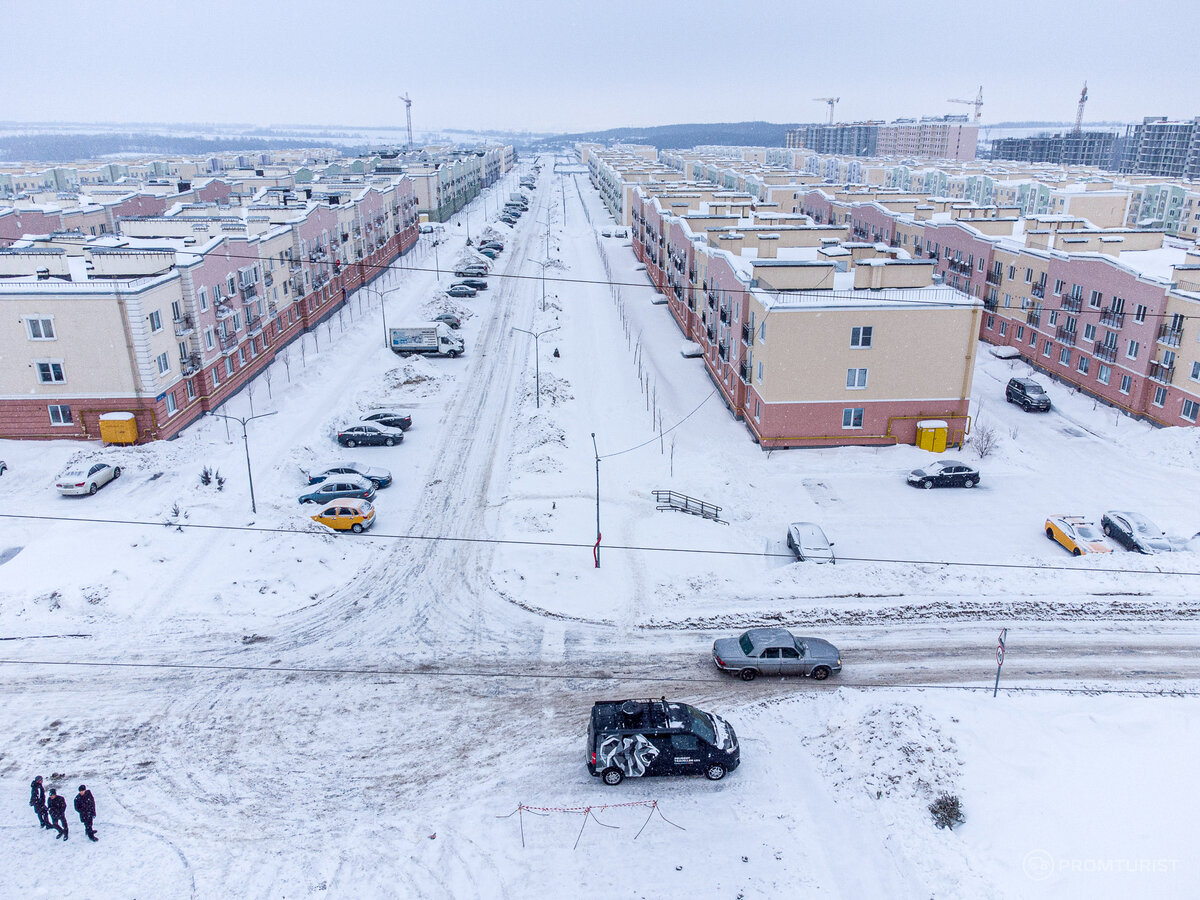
[[467, 667]]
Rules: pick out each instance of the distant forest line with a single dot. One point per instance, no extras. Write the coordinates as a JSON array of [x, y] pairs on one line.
[[63, 148]]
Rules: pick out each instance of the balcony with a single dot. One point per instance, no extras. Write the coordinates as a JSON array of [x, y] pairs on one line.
[[228, 343], [1071, 304], [1034, 318], [1065, 337], [744, 373], [268, 279], [254, 325], [1112, 319], [223, 310], [184, 326], [249, 293], [993, 277], [189, 365], [1170, 334], [1039, 290], [723, 352], [724, 316], [746, 333], [1161, 373], [990, 304], [711, 331], [1104, 352]]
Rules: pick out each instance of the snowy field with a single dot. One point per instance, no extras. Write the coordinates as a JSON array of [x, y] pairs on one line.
[[167, 651]]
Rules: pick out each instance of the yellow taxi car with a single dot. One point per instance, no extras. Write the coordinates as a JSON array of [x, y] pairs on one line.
[[347, 515], [1077, 534]]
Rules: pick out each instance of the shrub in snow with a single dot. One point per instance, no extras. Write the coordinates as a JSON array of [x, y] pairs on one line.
[[220, 480], [984, 440], [206, 476], [947, 811]]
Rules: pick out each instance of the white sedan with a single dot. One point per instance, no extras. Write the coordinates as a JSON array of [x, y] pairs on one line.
[[87, 479], [808, 542]]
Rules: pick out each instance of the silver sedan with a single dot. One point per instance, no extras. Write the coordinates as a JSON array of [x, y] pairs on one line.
[[775, 651]]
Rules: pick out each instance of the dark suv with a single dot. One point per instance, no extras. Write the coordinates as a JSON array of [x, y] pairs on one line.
[[1028, 393], [636, 738]]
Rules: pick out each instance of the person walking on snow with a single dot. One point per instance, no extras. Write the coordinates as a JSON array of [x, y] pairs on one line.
[[58, 814], [37, 799], [85, 805]]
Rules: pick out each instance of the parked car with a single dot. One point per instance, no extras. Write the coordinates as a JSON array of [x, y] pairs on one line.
[[475, 270], [461, 290], [401, 420], [450, 319], [369, 436], [1076, 534], [477, 284], [639, 738], [809, 543], [944, 473], [1134, 531], [341, 487], [775, 651], [493, 245], [347, 515], [620, 232], [507, 220], [87, 479], [3, 467], [1028, 394], [381, 478]]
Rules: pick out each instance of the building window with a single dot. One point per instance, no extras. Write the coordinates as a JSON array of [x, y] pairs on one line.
[[989, 323], [852, 417], [241, 357], [172, 408], [1054, 317], [762, 331], [856, 379], [1132, 352], [203, 299], [237, 322], [50, 371], [1064, 357], [60, 414], [1160, 396], [860, 335], [1029, 276], [229, 367], [1196, 371], [190, 387], [757, 409], [1003, 328], [1058, 285], [164, 363], [1020, 332], [1046, 348], [1190, 408], [1103, 374], [231, 284], [1139, 313], [40, 329], [760, 372], [208, 338], [1084, 364], [155, 321], [1007, 300], [1126, 384], [216, 378], [1095, 299], [1089, 332]]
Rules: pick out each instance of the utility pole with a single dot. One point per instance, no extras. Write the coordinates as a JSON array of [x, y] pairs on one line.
[[537, 369], [246, 441], [596, 549]]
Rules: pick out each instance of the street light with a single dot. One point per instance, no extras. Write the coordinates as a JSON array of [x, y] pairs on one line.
[[543, 265], [537, 369], [382, 311], [246, 441]]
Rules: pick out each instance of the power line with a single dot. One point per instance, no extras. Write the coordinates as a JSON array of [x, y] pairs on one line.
[[526, 674], [660, 435], [588, 545]]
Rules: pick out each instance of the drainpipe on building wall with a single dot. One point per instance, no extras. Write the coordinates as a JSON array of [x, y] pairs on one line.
[[129, 351]]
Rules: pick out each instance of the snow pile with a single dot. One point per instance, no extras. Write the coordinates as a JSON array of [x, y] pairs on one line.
[[417, 377], [895, 750]]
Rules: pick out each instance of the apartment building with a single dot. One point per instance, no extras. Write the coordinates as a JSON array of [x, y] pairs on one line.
[[803, 331], [1071, 148], [931, 137], [171, 315], [1169, 149]]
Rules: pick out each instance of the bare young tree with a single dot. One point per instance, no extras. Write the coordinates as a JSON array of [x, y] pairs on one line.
[[285, 356]]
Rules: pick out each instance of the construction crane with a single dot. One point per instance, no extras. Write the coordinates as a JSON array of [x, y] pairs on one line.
[[977, 103], [1079, 112], [408, 113], [832, 101]]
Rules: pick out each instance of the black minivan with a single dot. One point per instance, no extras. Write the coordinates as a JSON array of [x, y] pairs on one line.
[[636, 738]]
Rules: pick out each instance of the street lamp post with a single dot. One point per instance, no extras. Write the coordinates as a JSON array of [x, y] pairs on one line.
[[537, 369], [382, 310], [596, 551], [246, 441]]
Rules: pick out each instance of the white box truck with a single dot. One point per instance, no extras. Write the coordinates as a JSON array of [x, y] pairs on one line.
[[431, 338]]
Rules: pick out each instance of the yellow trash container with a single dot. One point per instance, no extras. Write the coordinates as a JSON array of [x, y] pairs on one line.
[[931, 435], [118, 428]]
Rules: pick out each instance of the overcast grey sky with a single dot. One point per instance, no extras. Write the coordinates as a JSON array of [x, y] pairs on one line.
[[566, 66]]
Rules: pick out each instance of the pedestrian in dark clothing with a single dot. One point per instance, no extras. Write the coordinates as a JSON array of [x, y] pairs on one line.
[[58, 814], [37, 799], [85, 805]]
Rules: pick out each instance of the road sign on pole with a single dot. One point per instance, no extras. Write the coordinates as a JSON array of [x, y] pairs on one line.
[[999, 658]]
